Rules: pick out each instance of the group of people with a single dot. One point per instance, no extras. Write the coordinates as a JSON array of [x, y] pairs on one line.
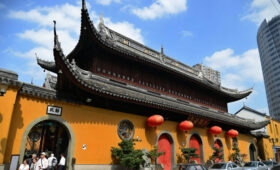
[[43, 163]]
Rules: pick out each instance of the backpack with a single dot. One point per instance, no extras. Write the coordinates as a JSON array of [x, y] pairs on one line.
[[54, 162]]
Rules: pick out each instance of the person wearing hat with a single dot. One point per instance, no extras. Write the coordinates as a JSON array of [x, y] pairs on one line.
[[43, 162]]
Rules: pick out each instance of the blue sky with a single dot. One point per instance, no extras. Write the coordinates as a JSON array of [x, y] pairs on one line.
[[217, 33]]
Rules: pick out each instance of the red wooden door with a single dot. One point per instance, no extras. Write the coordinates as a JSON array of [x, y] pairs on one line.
[[164, 145], [218, 144], [194, 143]]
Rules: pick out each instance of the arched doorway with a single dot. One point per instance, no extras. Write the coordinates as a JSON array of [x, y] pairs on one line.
[[69, 150], [166, 144], [196, 142], [48, 136], [219, 145], [252, 152]]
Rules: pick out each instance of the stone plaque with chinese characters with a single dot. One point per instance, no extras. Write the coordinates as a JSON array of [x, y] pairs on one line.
[[54, 110]]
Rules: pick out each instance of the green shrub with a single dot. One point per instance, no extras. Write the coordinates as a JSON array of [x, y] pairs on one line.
[[189, 153], [127, 156]]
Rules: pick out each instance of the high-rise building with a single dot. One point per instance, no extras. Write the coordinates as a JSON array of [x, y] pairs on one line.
[[209, 73], [269, 48]]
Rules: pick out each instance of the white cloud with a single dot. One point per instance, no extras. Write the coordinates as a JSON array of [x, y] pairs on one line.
[[41, 52], [232, 80], [261, 9], [68, 18], [126, 29], [222, 59], [107, 2], [160, 8], [236, 70], [44, 37], [186, 33], [32, 68]]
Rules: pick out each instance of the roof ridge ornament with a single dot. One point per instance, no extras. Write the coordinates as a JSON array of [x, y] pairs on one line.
[[104, 32], [84, 7], [161, 55], [73, 62], [54, 32], [54, 27], [56, 42]]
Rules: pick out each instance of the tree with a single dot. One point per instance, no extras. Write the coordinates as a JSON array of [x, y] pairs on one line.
[[217, 154], [154, 154], [189, 153], [127, 156], [236, 156]]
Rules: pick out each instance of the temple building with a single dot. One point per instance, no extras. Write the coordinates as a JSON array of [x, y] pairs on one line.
[[268, 140], [105, 91]]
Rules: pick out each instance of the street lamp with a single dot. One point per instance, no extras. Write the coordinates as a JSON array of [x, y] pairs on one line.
[[3, 89]]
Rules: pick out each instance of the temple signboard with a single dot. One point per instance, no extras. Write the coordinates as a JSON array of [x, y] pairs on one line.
[[54, 110]]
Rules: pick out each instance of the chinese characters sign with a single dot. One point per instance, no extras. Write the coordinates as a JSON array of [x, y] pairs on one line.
[[54, 110]]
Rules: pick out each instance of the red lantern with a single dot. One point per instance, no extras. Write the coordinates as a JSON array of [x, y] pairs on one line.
[[186, 125], [232, 133], [155, 120], [215, 130]]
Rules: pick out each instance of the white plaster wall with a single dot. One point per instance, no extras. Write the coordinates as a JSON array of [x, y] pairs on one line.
[[253, 116]]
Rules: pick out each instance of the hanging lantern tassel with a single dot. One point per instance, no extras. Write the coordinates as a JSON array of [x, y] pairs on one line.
[[155, 120], [232, 133], [215, 130], [186, 125]]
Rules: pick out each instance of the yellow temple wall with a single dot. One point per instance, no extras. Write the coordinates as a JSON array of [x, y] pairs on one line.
[[6, 109], [97, 128], [267, 148], [273, 130]]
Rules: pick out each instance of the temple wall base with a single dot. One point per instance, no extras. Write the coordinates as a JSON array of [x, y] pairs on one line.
[[107, 167]]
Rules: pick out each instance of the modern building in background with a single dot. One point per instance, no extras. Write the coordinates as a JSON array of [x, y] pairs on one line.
[[269, 48], [209, 73]]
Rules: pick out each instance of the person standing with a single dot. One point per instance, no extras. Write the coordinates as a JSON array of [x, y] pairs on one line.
[[33, 165], [30, 160], [61, 164], [43, 162], [24, 166], [52, 162]]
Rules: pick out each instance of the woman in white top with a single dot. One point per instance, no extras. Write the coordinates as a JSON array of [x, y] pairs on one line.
[[24, 166], [33, 164]]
